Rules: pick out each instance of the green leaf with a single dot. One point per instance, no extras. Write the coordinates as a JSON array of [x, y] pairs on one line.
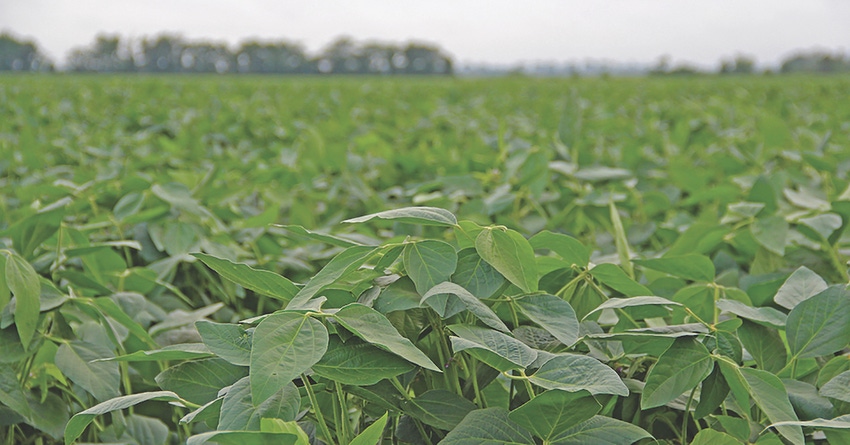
[[199, 381], [601, 430], [207, 412], [438, 408], [346, 261], [764, 345], [494, 348], [807, 403], [566, 247], [5, 292], [621, 241], [832, 368], [359, 363], [291, 427], [801, 285], [681, 368], [114, 311], [12, 393], [551, 313], [76, 360], [429, 262], [243, 438], [771, 233], [839, 423], [228, 341], [510, 254], [713, 392], [180, 351], [239, 413], [261, 281], [819, 325], [321, 237], [762, 315], [554, 411], [619, 303], [770, 396], [714, 437], [490, 426], [285, 345], [373, 327], [690, 267], [476, 275], [23, 282], [472, 304], [614, 277], [572, 372], [429, 216], [81, 420], [372, 434], [838, 387]]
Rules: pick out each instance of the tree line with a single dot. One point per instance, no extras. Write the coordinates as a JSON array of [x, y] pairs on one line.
[[174, 54]]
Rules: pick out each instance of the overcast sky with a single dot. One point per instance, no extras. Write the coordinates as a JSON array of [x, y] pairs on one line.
[[493, 31]]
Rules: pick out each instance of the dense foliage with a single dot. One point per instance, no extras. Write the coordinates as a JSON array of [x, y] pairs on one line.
[[559, 262]]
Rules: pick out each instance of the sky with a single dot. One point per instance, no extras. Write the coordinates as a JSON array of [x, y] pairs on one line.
[[699, 32]]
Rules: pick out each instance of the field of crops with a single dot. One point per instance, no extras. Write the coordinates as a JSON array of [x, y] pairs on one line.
[[415, 261]]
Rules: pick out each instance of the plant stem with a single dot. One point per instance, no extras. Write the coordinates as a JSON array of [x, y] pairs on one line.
[[342, 427], [687, 414], [313, 401]]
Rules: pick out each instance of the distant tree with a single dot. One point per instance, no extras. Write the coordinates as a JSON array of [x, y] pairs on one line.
[[162, 55], [206, 58], [270, 58], [21, 55], [425, 59], [820, 62], [107, 54], [739, 65]]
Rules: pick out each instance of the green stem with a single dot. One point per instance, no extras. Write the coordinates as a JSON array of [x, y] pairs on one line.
[[313, 401], [401, 389], [342, 428], [687, 414], [571, 283], [840, 267]]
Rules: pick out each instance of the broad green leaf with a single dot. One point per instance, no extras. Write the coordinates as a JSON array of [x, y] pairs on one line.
[[228, 341], [806, 401], [261, 281], [614, 277], [137, 429], [429, 216], [839, 423], [23, 282], [239, 413], [554, 411], [551, 313], [510, 254], [359, 363], [764, 345], [207, 412], [601, 430], [243, 438], [5, 292], [832, 368], [321, 237], [801, 285], [372, 434], [179, 318], [373, 327], [180, 351], [770, 396], [681, 368], [472, 304], [690, 267], [12, 393], [429, 262], [762, 315], [491, 426], [81, 420], [285, 345], [621, 241], [346, 261], [735, 380], [476, 275], [838, 387], [438, 408], [566, 247], [572, 372], [714, 437], [819, 325], [771, 233], [713, 392], [199, 381], [498, 350], [76, 360], [279, 426], [114, 311], [619, 303]]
